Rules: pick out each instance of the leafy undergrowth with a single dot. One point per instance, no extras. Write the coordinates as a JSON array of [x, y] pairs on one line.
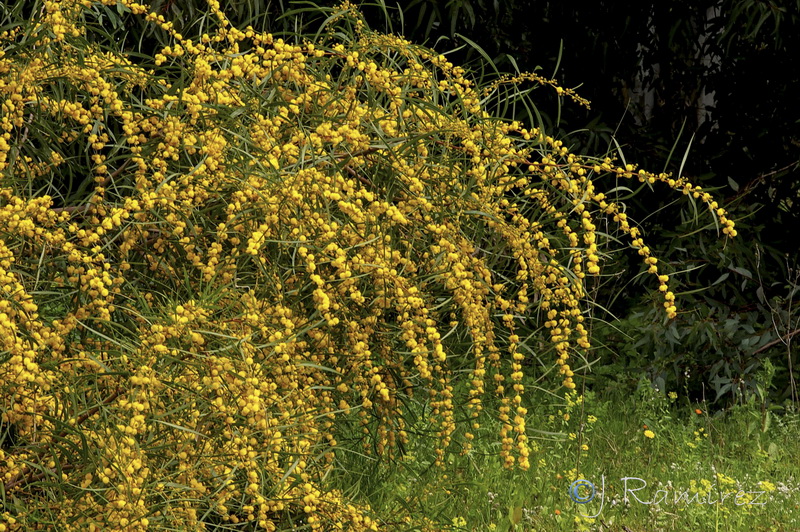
[[657, 463]]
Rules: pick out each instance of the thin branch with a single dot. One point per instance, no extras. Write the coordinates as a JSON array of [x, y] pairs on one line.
[[357, 175], [750, 185], [781, 339]]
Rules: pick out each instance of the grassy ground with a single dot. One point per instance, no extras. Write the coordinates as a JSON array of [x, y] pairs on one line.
[[732, 470]]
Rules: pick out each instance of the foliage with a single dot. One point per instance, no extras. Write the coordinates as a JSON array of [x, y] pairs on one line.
[[740, 312], [694, 465], [713, 80], [224, 257]]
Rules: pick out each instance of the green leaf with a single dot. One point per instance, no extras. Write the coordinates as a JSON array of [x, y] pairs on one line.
[[721, 278], [742, 271], [179, 427], [685, 156]]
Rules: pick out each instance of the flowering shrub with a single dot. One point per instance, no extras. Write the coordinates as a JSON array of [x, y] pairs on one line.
[[217, 257]]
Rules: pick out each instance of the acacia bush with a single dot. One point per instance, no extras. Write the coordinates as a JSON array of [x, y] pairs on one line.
[[223, 258]]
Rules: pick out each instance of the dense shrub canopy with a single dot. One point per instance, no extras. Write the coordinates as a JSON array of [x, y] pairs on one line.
[[220, 257]]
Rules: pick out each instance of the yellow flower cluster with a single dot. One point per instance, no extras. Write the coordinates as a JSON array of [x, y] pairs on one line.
[[294, 240]]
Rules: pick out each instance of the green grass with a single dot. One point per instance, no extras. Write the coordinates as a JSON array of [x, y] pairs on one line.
[[700, 461]]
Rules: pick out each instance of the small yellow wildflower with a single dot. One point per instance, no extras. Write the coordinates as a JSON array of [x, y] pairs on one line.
[[766, 485]]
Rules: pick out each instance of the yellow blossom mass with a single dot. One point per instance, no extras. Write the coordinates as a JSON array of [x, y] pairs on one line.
[[216, 257]]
